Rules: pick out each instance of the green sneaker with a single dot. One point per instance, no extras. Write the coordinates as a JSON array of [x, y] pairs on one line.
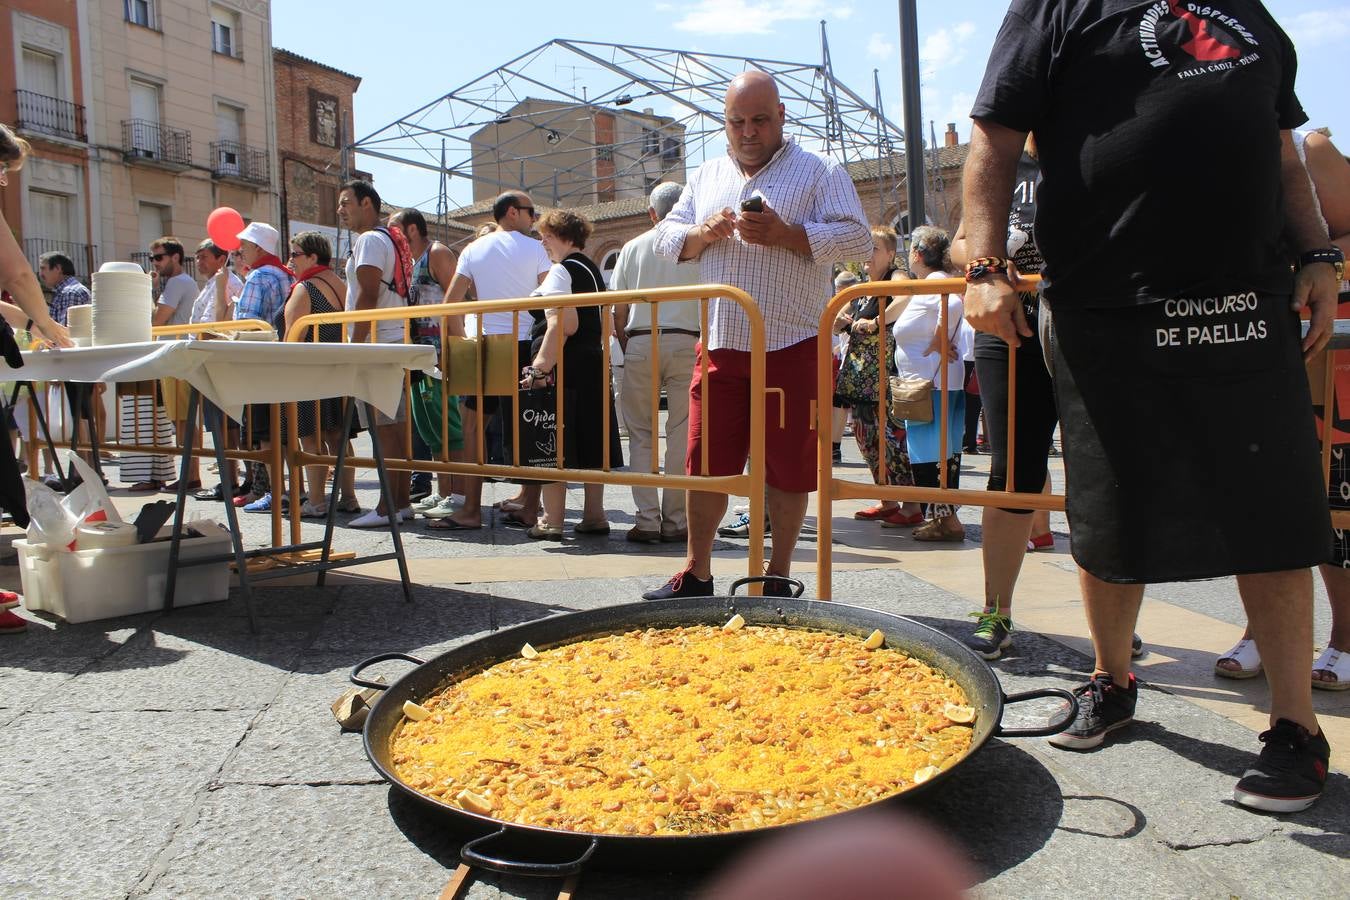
[[993, 634]]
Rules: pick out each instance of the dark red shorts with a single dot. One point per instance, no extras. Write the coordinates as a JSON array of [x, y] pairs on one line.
[[789, 443]]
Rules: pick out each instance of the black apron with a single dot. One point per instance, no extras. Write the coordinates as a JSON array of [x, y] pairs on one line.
[[1187, 430]]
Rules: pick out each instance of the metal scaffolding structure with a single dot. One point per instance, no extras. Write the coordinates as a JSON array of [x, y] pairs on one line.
[[576, 79]]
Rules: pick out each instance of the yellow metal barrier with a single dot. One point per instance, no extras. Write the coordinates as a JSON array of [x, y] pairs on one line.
[[749, 484], [830, 489]]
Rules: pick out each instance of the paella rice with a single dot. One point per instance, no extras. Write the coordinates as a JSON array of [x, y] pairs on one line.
[[685, 730]]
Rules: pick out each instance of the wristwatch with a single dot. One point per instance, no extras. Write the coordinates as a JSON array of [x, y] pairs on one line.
[[1331, 255], [985, 265]]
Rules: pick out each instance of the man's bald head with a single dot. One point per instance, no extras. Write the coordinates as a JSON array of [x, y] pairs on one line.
[[754, 119]]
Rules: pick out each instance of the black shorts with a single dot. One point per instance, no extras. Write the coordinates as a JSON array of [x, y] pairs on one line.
[[1036, 412], [1179, 418], [84, 402]]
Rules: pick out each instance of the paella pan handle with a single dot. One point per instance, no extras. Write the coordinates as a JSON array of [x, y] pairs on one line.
[[1044, 730], [470, 854], [793, 584], [355, 676]]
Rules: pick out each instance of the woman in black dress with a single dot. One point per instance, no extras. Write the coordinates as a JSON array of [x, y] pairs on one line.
[[564, 236], [318, 290]]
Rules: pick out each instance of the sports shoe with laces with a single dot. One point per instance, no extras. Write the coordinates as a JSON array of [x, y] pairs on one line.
[[740, 526], [426, 502], [1103, 706], [683, 584], [1290, 772], [993, 634]]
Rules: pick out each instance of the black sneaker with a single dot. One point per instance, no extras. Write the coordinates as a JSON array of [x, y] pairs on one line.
[[781, 586], [993, 634], [1136, 647], [1103, 706], [1290, 772], [682, 585]]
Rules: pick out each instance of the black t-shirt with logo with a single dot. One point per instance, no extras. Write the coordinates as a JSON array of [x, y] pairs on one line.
[[1157, 128], [1026, 255]]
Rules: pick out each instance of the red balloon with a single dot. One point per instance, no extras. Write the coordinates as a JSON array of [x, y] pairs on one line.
[[223, 227]]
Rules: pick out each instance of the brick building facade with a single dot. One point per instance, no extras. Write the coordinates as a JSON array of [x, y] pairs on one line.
[[314, 124]]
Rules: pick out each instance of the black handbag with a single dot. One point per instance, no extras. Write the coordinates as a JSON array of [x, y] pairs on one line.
[[537, 425]]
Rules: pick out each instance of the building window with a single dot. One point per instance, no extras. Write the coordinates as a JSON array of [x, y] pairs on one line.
[[225, 32], [328, 194], [605, 152], [140, 12], [670, 150], [651, 142], [51, 216]]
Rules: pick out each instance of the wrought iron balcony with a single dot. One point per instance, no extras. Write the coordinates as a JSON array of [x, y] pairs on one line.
[[48, 115], [84, 256], [230, 159], [142, 259], [153, 142]]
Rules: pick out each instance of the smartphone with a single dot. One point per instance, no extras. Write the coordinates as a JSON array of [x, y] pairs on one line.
[[753, 204]]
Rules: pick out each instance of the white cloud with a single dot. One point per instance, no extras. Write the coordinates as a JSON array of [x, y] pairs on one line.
[[945, 47], [1318, 27], [879, 48], [730, 17]]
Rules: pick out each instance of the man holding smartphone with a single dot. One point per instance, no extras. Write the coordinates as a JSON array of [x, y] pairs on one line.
[[799, 214]]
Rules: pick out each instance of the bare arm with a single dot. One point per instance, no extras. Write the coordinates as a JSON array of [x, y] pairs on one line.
[[991, 170], [163, 313], [1331, 174], [621, 325], [1315, 286], [297, 306], [442, 264], [368, 280], [700, 237], [567, 323], [17, 277], [223, 309]]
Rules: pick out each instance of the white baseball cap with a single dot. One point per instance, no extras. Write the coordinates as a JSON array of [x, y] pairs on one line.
[[262, 234]]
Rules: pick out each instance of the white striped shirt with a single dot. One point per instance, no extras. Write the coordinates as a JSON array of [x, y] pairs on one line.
[[791, 290]]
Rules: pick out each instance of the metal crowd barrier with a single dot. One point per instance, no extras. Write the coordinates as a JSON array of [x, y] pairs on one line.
[[749, 483], [830, 489]]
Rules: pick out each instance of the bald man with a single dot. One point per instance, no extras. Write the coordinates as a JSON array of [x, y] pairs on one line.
[[771, 219]]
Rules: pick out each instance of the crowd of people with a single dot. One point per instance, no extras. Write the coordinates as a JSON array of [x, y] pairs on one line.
[[780, 222]]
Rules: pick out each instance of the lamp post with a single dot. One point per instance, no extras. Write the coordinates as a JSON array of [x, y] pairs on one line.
[[913, 113]]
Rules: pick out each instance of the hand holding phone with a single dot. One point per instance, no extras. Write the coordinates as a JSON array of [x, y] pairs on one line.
[[753, 204]]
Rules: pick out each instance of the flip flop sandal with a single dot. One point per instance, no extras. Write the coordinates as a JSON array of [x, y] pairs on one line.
[[513, 520], [508, 506], [450, 525], [540, 532], [1245, 654], [1337, 662]]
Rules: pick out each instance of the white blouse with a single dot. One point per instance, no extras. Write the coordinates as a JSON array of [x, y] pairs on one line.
[[914, 331]]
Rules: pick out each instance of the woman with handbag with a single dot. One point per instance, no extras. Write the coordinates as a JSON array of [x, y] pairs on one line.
[[319, 290], [564, 236], [919, 349], [858, 384]]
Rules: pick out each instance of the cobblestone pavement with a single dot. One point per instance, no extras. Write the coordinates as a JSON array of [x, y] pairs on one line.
[[180, 755]]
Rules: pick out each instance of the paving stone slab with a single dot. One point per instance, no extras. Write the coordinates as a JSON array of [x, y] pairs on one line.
[[89, 800], [296, 739]]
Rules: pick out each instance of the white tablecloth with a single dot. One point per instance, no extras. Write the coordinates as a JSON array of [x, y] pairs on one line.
[[232, 374]]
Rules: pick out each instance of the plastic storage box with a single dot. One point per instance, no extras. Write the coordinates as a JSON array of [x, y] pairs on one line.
[[85, 585]]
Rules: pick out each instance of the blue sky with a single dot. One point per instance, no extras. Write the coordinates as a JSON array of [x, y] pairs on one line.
[[409, 52]]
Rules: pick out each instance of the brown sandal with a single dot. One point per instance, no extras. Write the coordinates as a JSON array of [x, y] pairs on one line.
[[935, 531]]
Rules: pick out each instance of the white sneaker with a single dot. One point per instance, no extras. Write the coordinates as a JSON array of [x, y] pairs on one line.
[[428, 502], [447, 507], [371, 519], [406, 514]]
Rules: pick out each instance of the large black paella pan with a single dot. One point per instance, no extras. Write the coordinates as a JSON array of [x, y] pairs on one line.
[[566, 852]]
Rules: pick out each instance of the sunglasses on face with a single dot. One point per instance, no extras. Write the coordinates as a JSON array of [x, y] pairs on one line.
[[295, 253], [158, 256], [530, 210]]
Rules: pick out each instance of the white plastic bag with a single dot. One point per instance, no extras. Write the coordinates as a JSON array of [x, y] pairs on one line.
[[53, 518]]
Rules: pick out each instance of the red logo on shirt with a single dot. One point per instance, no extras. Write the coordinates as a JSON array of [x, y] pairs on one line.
[[1172, 31], [1203, 44]]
